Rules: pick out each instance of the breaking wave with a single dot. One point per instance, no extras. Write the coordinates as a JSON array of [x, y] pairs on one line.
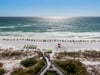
[[73, 35]]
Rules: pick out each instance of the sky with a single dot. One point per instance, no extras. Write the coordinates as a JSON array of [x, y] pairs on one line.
[[68, 8]]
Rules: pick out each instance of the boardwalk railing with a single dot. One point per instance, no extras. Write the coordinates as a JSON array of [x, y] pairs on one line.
[[43, 67]]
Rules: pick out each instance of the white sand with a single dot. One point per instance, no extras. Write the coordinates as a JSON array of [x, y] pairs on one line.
[[9, 65], [91, 62], [66, 46]]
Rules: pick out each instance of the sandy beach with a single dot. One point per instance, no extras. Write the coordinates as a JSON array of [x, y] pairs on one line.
[[50, 43]]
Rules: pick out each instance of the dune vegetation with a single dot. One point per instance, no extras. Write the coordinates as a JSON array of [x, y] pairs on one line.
[[72, 67]]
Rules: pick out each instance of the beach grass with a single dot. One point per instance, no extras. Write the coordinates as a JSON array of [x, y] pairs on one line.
[[72, 67]]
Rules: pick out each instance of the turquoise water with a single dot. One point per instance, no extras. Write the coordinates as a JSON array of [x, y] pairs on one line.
[[79, 27]]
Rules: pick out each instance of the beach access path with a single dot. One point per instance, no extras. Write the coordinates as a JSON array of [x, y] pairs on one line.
[[48, 66]]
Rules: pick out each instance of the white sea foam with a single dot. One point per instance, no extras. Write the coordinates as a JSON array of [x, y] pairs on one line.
[[53, 34], [2, 27], [26, 25]]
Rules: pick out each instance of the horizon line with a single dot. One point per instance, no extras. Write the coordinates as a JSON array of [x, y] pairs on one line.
[[50, 16]]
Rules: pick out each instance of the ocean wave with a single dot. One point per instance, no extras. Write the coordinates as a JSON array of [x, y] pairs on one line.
[[3, 27], [26, 25], [53, 34]]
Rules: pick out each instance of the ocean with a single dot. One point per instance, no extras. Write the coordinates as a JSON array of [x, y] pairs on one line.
[[76, 27]]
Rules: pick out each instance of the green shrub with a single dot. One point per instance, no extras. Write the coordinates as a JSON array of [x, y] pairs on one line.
[[2, 71], [36, 68], [19, 71], [28, 62], [72, 67], [29, 71], [1, 64]]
